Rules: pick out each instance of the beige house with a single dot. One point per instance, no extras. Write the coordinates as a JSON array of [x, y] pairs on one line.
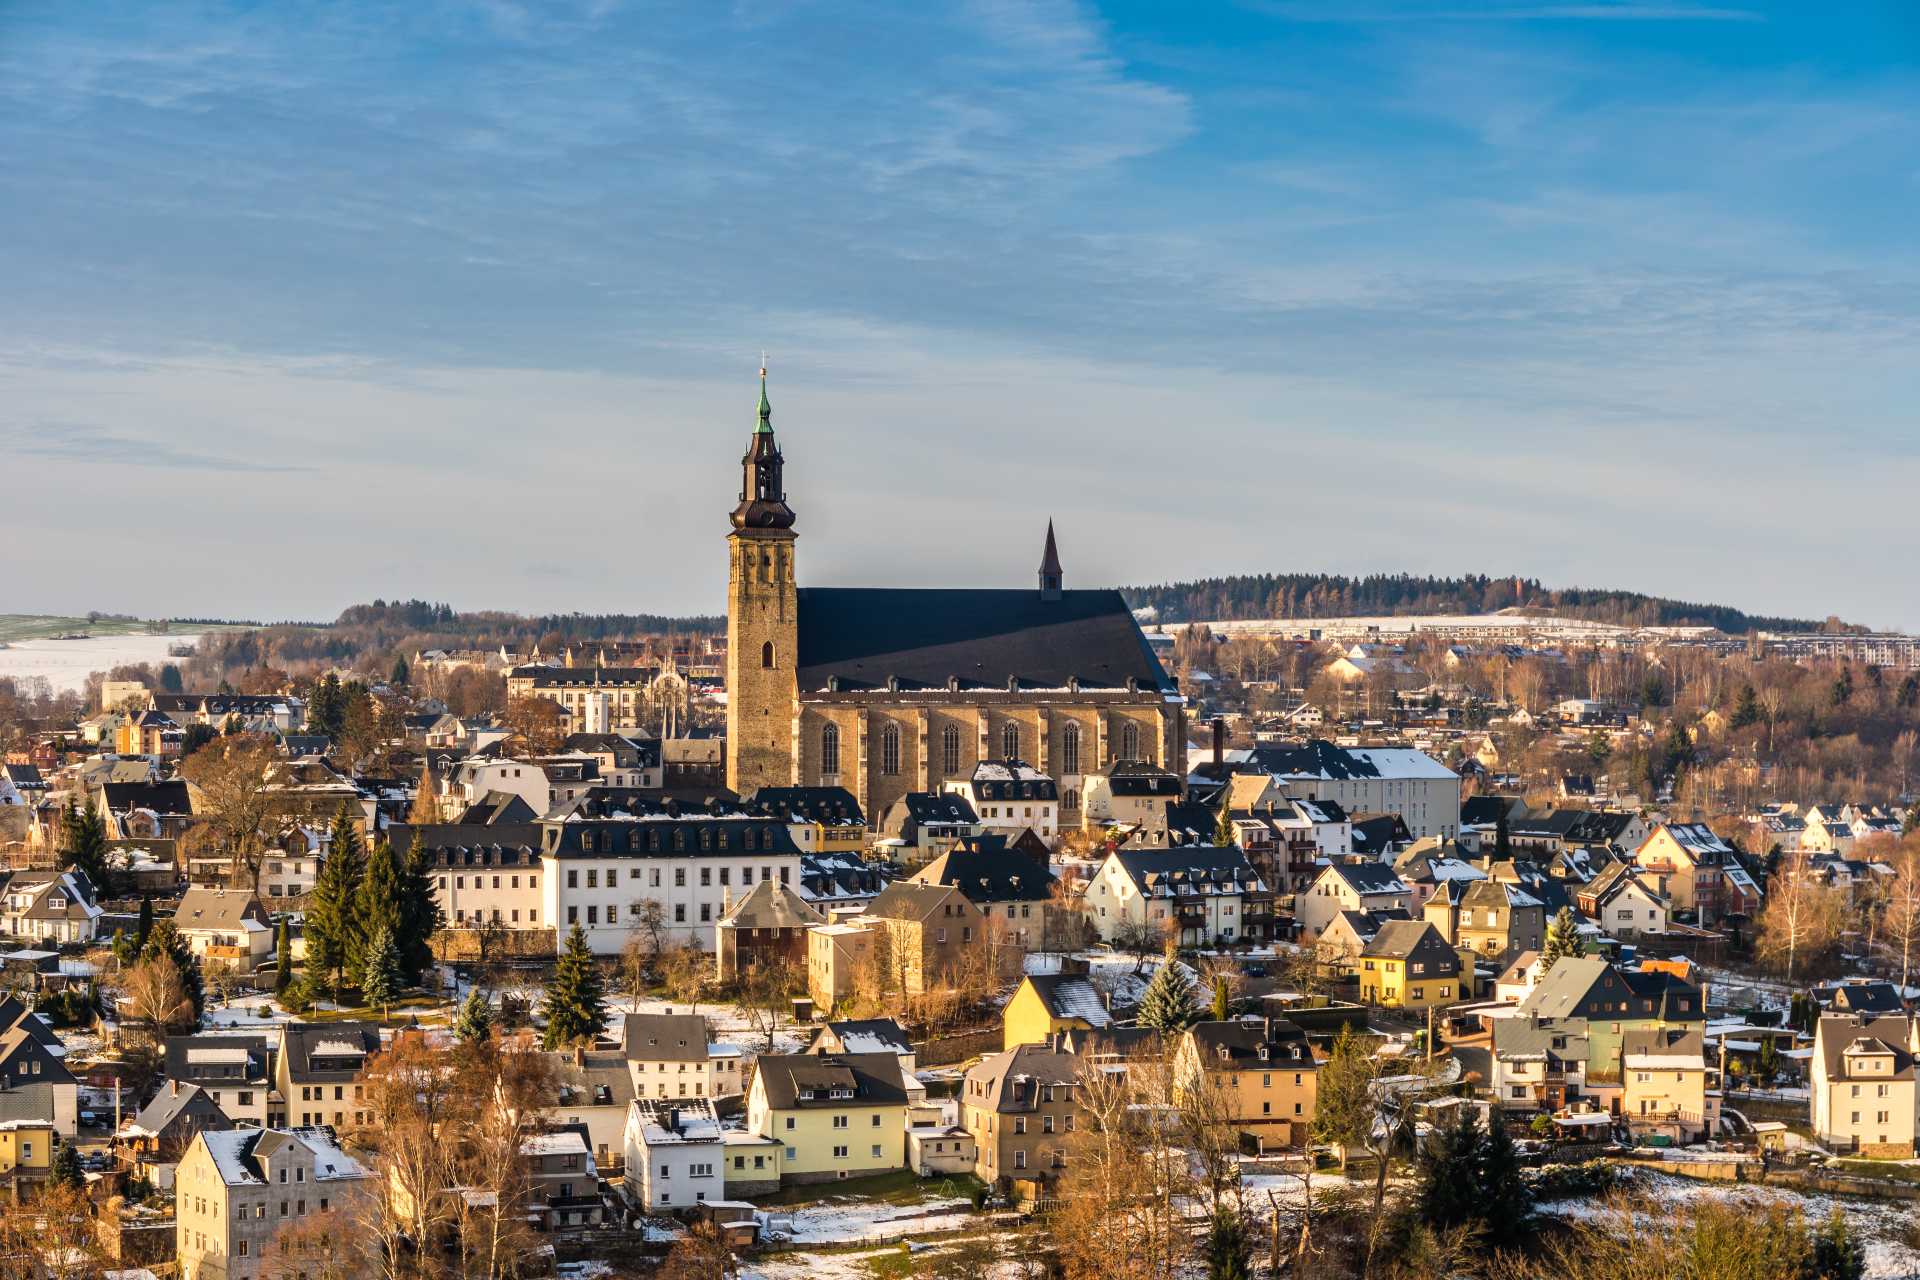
[[1349, 886], [1265, 1069], [236, 1187], [1488, 917], [226, 928], [1863, 1084], [837, 956], [1664, 1083], [317, 1069], [1019, 1107]]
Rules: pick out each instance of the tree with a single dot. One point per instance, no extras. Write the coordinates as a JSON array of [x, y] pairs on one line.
[[166, 942], [476, 1018], [380, 971], [157, 1000], [398, 679], [1229, 1246], [1343, 1104], [1837, 1255], [1802, 916], [145, 927], [83, 836], [1506, 1200], [66, 1171], [283, 958], [1902, 916], [535, 725], [1222, 999], [380, 904], [234, 777], [1502, 838], [1167, 1005], [575, 1008], [1224, 834], [419, 915], [687, 971], [701, 1254], [333, 926], [1563, 940]]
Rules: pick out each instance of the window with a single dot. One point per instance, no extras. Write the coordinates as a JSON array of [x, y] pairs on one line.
[[950, 749], [890, 750], [1019, 1159], [766, 655], [1130, 741], [1070, 748], [830, 749], [1010, 740]]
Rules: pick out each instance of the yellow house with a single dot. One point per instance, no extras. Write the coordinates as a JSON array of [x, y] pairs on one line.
[[820, 819], [1046, 1003], [836, 1115], [1664, 1083], [1265, 1071], [26, 1150], [1408, 965]]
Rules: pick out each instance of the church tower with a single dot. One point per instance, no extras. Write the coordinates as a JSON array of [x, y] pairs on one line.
[[762, 619]]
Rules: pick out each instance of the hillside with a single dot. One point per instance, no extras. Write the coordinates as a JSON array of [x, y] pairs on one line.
[[1319, 595]]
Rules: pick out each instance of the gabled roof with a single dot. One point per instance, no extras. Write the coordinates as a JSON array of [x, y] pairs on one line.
[[239, 1154], [332, 1052], [804, 1080], [945, 807], [1400, 939], [173, 1101], [861, 637], [166, 798], [225, 909], [1239, 1044], [1368, 877], [665, 1037], [770, 905], [1663, 1048], [986, 871], [1194, 867], [867, 1035], [1868, 997], [911, 900], [1005, 1082], [829, 806], [1069, 995]]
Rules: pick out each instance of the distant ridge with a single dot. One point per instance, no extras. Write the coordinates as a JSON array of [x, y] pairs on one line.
[[1322, 595]]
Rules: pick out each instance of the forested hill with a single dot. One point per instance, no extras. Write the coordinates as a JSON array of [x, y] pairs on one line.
[[1319, 595]]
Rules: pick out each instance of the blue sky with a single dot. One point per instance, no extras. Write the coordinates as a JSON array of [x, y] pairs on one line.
[[309, 303]]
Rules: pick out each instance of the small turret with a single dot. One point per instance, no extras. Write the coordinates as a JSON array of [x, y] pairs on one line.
[[1050, 568]]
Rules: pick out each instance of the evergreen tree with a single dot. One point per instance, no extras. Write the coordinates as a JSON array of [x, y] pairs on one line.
[[1168, 1004], [1746, 710], [327, 707], [84, 845], [1343, 1095], [167, 940], [283, 958], [380, 906], [419, 915], [145, 929], [1502, 838], [1837, 1254], [333, 931], [1563, 940], [476, 1018], [170, 681], [1449, 1174], [1222, 1003], [400, 673], [66, 1169], [380, 970], [575, 1008], [1229, 1247], [1506, 1201], [124, 950], [1223, 832]]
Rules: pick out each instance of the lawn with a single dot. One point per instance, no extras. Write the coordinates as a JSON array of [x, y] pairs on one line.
[[900, 1187]]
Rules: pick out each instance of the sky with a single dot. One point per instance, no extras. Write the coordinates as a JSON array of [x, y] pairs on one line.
[[309, 303]]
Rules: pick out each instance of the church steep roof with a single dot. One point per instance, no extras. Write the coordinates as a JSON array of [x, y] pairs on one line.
[[859, 637]]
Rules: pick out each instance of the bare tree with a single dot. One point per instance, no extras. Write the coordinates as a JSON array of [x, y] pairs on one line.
[[234, 776], [687, 972], [764, 993], [1801, 915], [157, 999], [1902, 915]]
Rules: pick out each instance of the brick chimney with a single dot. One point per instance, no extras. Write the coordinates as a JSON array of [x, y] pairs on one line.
[[1219, 741]]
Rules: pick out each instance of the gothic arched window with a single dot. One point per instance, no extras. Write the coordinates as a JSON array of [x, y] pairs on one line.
[[950, 749], [1010, 740], [1070, 748], [766, 655], [890, 750], [1130, 741], [830, 749]]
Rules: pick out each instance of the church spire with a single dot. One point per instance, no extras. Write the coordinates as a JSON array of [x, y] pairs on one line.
[[1050, 568], [766, 409]]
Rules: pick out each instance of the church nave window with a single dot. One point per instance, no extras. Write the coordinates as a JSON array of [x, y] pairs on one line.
[[766, 655], [950, 749], [890, 750], [1130, 741], [830, 749], [1010, 740], [1070, 748]]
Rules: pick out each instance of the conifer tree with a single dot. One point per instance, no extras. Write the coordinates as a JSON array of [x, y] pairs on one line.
[[1222, 999], [475, 1022], [84, 845], [380, 973], [1563, 940], [1502, 839], [1229, 1246], [66, 1172], [379, 905], [283, 958], [167, 940], [145, 929], [1837, 1254], [419, 915], [1168, 1004], [576, 1009], [1506, 1201], [333, 931], [1223, 832]]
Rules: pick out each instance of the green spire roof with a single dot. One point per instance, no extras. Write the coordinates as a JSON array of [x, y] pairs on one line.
[[766, 409]]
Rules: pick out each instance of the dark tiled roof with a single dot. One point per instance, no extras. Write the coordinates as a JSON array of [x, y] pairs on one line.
[[924, 807], [665, 1037], [874, 1079], [311, 1054], [986, 870], [985, 639], [1242, 1041], [161, 797], [830, 806]]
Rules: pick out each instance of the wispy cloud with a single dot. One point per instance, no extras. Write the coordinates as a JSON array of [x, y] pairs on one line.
[[73, 442]]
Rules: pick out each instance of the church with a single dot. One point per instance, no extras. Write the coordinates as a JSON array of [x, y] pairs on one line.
[[885, 691]]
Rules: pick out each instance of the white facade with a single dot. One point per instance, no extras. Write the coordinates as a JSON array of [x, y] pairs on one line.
[[604, 894], [1424, 792], [674, 1156]]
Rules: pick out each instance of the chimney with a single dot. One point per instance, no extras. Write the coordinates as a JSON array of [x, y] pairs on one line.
[[579, 1055], [175, 1084], [1219, 741]]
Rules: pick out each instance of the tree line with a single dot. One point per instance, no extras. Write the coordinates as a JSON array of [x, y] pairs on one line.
[[1324, 595]]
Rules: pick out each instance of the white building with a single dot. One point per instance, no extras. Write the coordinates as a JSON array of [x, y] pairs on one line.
[[672, 1056], [1349, 886], [1424, 792], [1208, 894], [674, 1154], [1011, 797]]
